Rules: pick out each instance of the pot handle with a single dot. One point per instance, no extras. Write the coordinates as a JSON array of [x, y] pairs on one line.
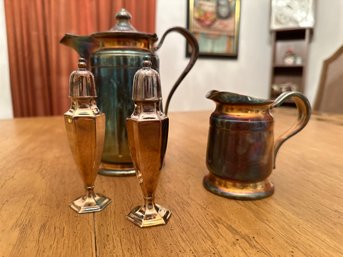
[[191, 40], [304, 114]]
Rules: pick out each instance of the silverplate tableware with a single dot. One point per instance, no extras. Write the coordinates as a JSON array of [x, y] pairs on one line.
[[241, 149], [85, 126], [114, 57], [148, 134]]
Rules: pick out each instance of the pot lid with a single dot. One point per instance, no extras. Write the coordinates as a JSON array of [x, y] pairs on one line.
[[124, 28]]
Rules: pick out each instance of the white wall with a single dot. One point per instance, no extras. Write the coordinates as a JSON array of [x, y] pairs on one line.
[[327, 38], [250, 73], [5, 92]]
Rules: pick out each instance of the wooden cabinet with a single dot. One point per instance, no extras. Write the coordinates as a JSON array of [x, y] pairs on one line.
[[289, 60]]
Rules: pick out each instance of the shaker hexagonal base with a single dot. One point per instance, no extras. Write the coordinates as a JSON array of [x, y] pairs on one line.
[[86, 204], [238, 190], [143, 217]]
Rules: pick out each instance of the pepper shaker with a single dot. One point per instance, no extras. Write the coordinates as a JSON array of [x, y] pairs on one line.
[[85, 126], [147, 136]]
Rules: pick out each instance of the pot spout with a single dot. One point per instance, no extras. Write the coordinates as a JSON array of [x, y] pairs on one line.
[[83, 45]]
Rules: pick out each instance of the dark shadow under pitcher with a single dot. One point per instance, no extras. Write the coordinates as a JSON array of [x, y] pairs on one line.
[[241, 149]]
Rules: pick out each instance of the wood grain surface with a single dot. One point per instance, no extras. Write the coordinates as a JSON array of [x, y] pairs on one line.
[[39, 179]]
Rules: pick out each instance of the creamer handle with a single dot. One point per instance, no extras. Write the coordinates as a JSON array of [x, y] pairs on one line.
[[191, 40], [304, 114]]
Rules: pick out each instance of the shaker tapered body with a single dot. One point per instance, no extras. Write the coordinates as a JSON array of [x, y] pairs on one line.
[[145, 139], [86, 141]]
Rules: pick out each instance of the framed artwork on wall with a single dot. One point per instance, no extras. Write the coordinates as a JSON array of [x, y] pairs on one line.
[[215, 24]]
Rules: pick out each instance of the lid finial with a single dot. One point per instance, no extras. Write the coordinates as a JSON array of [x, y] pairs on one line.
[[123, 18]]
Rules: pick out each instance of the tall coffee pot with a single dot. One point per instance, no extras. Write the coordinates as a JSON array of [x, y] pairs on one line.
[[114, 57]]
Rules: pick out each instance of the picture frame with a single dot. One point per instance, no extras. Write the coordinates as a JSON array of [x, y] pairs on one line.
[[215, 24]]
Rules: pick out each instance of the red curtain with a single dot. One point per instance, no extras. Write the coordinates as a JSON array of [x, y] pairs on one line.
[[39, 65]]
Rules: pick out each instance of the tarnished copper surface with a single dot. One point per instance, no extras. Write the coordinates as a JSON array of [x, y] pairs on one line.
[[241, 149], [241, 140], [85, 135], [238, 190], [142, 44], [116, 169]]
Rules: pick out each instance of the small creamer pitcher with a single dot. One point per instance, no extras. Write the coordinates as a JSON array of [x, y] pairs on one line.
[[241, 148]]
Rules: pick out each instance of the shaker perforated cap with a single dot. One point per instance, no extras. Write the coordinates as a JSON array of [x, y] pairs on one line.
[[146, 84], [81, 82]]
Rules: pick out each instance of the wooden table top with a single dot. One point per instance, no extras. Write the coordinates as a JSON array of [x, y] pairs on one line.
[[39, 179]]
